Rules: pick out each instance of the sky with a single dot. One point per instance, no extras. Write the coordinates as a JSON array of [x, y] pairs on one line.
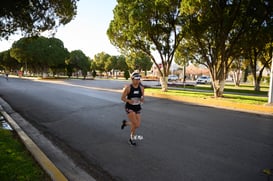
[[86, 32]]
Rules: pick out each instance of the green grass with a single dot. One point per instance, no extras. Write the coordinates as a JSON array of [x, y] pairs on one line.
[[242, 89], [244, 94], [16, 163], [246, 99]]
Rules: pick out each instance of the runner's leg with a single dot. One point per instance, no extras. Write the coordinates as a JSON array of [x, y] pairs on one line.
[[135, 122]]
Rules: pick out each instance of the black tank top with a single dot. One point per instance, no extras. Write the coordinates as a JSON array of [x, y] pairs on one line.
[[135, 94]]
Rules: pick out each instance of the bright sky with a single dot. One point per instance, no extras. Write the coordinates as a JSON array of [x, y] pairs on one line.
[[87, 32]]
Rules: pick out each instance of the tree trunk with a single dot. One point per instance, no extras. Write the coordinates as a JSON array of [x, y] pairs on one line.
[[270, 92], [44, 75], [257, 85], [246, 72], [164, 84], [237, 77], [259, 79], [218, 87]]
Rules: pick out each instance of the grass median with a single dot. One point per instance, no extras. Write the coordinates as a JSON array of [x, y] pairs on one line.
[[16, 163], [239, 98]]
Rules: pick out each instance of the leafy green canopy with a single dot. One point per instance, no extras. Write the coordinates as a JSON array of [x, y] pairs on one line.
[[7, 62], [78, 61], [139, 62], [39, 53], [151, 27], [216, 31], [34, 16]]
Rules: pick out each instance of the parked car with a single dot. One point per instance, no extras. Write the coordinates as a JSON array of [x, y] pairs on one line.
[[203, 80], [172, 78]]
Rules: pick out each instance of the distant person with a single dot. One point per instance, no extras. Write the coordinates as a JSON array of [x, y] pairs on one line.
[[7, 76], [133, 96]]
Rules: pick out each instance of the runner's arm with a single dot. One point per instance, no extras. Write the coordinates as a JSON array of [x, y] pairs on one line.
[[125, 92], [142, 97]]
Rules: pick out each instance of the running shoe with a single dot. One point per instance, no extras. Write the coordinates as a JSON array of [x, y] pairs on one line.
[[137, 137], [123, 124], [131, 142]]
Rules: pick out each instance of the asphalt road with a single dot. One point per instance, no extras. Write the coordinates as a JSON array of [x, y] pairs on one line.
[[182, 141]]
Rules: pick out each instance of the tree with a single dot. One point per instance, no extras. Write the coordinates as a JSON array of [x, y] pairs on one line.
[[113, 64], [238, 65], [122, 65], [78, 61], [40, 54], [56, 55], [22, 52], [150, 27], [126, 74], [31, 17], [8, 62], [94, 73], [217, 28], [139, 61], [257, 50], [110, 64], [183, 57], [259, 59], [99, 61]]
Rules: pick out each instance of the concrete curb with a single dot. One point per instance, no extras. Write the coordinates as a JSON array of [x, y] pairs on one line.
[[42, 159]]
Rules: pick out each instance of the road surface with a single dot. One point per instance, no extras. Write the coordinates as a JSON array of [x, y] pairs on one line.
[[182, 141]]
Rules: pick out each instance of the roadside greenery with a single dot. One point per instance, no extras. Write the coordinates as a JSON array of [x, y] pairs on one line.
[[242, 89], [35, 16], [223, 36], [244, 94], [15, 161], [39, 54], [153, 28]]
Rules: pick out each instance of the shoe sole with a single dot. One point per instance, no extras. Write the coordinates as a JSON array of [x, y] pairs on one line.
[[138, 137], [131, 143]]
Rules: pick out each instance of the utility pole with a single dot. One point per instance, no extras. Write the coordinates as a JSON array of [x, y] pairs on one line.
[[270, 93]]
